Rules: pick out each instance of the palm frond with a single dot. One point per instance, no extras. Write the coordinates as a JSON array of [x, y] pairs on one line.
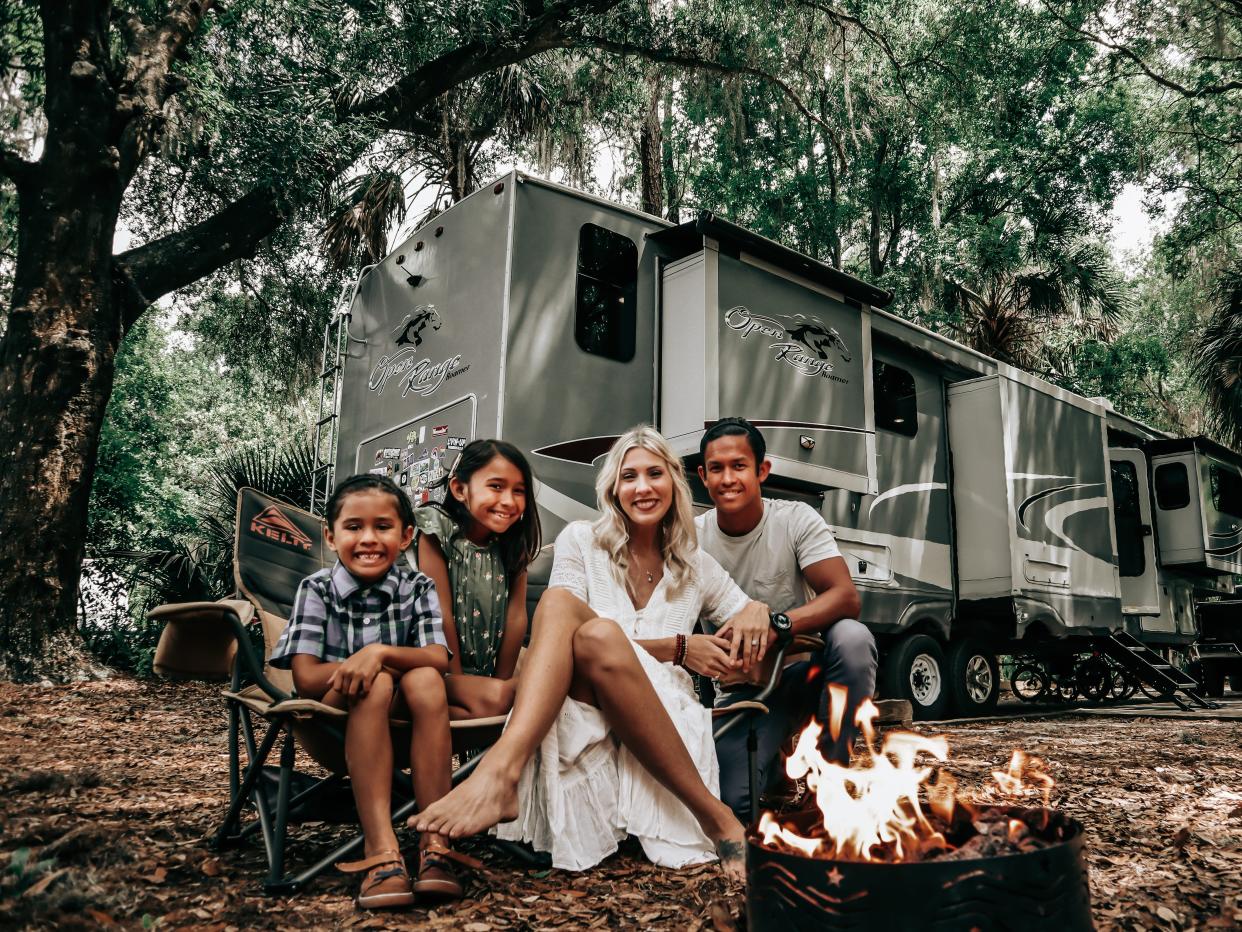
[[357, 229], [1218, 356]]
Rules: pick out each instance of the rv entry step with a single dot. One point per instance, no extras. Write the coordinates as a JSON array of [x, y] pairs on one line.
[[1148, 666]]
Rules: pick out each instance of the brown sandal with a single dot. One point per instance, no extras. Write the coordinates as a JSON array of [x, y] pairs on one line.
[[386, 884], [436, 879]]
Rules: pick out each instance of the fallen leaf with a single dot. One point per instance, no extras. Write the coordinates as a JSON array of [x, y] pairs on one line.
[[1166, 914], [102, 918], [1180, 839], [476, 927], [44, 882], [212, 867], [722, 918], [156, 876]]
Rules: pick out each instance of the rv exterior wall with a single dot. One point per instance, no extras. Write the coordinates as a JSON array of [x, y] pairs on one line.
[[565, 404], [422, 373], [980, 491], [1179, 509], [683, 361]]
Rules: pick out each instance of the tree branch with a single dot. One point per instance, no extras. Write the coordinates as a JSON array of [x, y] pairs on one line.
[[695, 63], [1125, 51], [16, 168], [235, 232], [153, 270]]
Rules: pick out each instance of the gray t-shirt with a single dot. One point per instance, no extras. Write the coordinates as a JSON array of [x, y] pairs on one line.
[[767, 562]]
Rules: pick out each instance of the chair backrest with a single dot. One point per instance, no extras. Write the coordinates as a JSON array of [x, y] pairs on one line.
[[277, 545]]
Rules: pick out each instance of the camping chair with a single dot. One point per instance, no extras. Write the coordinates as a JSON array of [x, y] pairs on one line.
[[726, 718], [276, 546]]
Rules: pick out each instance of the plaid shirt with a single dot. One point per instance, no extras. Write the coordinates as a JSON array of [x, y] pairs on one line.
[[334, 617]]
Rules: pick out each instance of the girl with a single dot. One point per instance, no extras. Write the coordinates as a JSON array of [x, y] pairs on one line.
[[364, 634], [476, 547]]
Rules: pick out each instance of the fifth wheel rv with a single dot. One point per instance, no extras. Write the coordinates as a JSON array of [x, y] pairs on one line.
[[982, 511]]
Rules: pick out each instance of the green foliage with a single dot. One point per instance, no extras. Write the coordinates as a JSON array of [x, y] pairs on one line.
[[182, 433]]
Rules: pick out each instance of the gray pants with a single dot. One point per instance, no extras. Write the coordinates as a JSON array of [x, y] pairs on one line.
[[849, 658]]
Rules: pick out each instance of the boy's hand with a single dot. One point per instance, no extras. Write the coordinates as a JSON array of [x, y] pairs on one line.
[[356, 674], [748, 632]]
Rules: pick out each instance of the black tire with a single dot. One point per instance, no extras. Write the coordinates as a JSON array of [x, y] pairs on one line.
[[915, 670], [1093, 679], [1029, 682], [974, 677]]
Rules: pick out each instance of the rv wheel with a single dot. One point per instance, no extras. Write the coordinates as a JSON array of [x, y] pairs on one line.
[[915, 670], [1213, 680], [974, 677]]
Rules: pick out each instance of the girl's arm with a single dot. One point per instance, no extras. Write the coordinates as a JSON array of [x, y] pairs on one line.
[[431, 561], [515, 629]]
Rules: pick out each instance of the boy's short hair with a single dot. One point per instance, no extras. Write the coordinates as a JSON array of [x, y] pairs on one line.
[[368, 482], [735, 427]]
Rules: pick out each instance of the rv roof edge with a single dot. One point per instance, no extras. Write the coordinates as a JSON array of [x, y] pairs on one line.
[[682, 240]]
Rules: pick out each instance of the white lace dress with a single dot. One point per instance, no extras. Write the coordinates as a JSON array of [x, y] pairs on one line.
[[582, 792]]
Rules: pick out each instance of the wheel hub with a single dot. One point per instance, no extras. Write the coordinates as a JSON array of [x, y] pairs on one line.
[[979, 683], [925, 679]]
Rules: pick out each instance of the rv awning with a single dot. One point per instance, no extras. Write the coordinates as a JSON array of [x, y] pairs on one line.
[[684, 240], [1200, 444]]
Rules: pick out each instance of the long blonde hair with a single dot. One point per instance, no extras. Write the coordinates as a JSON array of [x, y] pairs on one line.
[[679, 543]]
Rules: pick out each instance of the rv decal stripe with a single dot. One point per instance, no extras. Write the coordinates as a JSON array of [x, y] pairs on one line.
[[584, 450], [1227, 536], [801, 425], [1039, 496], [905, 489], [1224, 551]]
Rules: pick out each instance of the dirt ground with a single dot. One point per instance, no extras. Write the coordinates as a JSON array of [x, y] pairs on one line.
[[109, 790]]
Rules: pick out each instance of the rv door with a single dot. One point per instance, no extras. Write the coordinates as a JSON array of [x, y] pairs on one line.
[[1136, 542]]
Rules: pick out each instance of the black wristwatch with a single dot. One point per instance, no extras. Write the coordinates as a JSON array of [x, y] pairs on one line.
[[782, 626]]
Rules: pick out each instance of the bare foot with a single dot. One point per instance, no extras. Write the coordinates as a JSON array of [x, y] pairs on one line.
[[484, 798], [729, 839]]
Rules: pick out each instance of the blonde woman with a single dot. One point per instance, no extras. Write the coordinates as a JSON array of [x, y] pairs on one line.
[[606, 698]]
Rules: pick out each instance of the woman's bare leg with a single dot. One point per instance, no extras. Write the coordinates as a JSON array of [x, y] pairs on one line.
[[489, 795], [605, 664], [595, 658]]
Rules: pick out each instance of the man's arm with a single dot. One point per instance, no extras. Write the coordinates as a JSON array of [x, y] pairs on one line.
[[835, 597]]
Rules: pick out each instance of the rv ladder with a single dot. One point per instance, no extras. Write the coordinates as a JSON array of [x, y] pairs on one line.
[[1141, 661], [336, 340]]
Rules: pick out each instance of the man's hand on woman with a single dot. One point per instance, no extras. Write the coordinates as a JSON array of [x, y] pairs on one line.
[[747, 632]]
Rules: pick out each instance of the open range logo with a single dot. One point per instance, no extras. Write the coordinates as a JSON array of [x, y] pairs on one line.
[[416, 376], [802, 343]]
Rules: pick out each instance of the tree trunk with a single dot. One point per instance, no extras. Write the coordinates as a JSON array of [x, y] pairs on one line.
[[56, 359], [651, 148]]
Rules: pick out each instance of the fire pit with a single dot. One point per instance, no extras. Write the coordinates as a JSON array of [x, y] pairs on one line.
[[873, 858]]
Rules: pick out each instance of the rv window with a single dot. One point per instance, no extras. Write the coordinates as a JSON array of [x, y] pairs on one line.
[[1172, 486], [895, 407], [1127, 520], [1226, 490], [604, 321]]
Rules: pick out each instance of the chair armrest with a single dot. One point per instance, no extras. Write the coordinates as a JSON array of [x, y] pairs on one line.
[[208, 640]]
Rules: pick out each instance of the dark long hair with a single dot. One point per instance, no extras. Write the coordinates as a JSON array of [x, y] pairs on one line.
[[364, 482], [520, 544]]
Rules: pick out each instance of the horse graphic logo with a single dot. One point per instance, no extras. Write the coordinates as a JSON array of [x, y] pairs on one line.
[[819, 339], [410, 330]]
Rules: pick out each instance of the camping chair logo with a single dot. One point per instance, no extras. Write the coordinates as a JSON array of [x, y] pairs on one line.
[[803, 344], [272, 523]]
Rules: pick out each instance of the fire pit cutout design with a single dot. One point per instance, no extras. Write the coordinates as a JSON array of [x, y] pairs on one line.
[[891, 848]]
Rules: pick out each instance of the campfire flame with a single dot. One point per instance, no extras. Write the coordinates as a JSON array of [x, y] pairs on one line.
[[872, 810], [1025, 776]]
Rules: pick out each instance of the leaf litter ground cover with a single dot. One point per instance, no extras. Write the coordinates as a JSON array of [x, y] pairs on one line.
[[110, 789]]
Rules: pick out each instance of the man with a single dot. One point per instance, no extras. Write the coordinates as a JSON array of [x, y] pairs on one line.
[[781, 553]]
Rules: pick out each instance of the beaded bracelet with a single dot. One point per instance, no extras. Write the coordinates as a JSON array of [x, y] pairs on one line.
[[679, 651]]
